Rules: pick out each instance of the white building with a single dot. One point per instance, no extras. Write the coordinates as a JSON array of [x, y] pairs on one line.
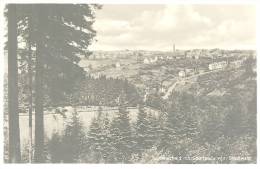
[[153, 60], [118, 65], [182, 73], [150, 60], [162, 89], [217, 65], [146, 61]]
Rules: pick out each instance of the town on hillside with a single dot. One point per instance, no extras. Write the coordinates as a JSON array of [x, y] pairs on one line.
[[158, 71], [130, 84]]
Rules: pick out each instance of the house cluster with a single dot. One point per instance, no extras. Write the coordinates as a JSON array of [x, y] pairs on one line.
[[179, 54], [218, 65], [224, 64], [204, 53], [150, 60], [167, 56], [99, 55], [236, 63], [212, 66], [194, 54], [187, 72], [191, 54]]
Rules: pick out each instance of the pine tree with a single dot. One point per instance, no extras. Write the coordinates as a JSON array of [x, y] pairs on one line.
[[59, 33], [106, 144], [13, 113], [121, 136], [212, 128], [73, 141], [95, 139], [141, 130], [170, 133], [153, 131], [190, 127], [234, 124], [174, 129], [55, 148], [99, 140]]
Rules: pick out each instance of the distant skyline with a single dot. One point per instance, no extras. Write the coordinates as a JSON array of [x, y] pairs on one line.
[[158, 27]]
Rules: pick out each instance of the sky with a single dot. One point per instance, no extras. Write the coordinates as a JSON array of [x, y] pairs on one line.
[[158, 27]]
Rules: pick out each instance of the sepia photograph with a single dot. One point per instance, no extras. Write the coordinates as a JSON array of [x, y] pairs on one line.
[[94, 83]]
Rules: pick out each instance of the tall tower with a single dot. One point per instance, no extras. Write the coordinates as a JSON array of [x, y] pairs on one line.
[[173, 51]]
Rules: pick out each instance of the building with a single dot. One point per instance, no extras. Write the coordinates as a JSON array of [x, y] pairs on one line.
[[217, 65], [182, 73], [118, 65], [162, 89], [189, 72], [146, 61], [236, 63], [153, 60], [180, 54], [194, 54], [150, 60], [196, 57], [201, 71]]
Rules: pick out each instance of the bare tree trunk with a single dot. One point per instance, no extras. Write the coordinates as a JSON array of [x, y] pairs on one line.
[[30, 86], [39, 121], [14, 130]]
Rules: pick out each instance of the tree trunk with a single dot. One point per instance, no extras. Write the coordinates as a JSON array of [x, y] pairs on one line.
[[39, 121], [14, 130], [30, 84]]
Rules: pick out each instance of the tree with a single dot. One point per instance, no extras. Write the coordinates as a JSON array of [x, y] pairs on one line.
[[59, 37], [234, 123], [60, 34], [249, 64], [121, 136], [55, 148], [180, 126], [95, 139], [146, 131], [141, 130], [149, 156], [173, 126], [191, 126], [30, 86], [154, 129], [106, 144], [14, 130], [39, 125], [73, 141], [212, 128]]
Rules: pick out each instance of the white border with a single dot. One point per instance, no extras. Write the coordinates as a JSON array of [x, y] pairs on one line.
[[138, 166]]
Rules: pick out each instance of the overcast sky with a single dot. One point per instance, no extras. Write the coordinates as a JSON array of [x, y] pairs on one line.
[[157, 27]]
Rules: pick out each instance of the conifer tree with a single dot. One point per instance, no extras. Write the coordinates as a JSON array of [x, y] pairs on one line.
[[121, 136], [141, 130], [106, 144], [73, 141], [190, 127], [13, 113], [55, 148], [59, 33], [153, 131], [95, 139], [174, 129]]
